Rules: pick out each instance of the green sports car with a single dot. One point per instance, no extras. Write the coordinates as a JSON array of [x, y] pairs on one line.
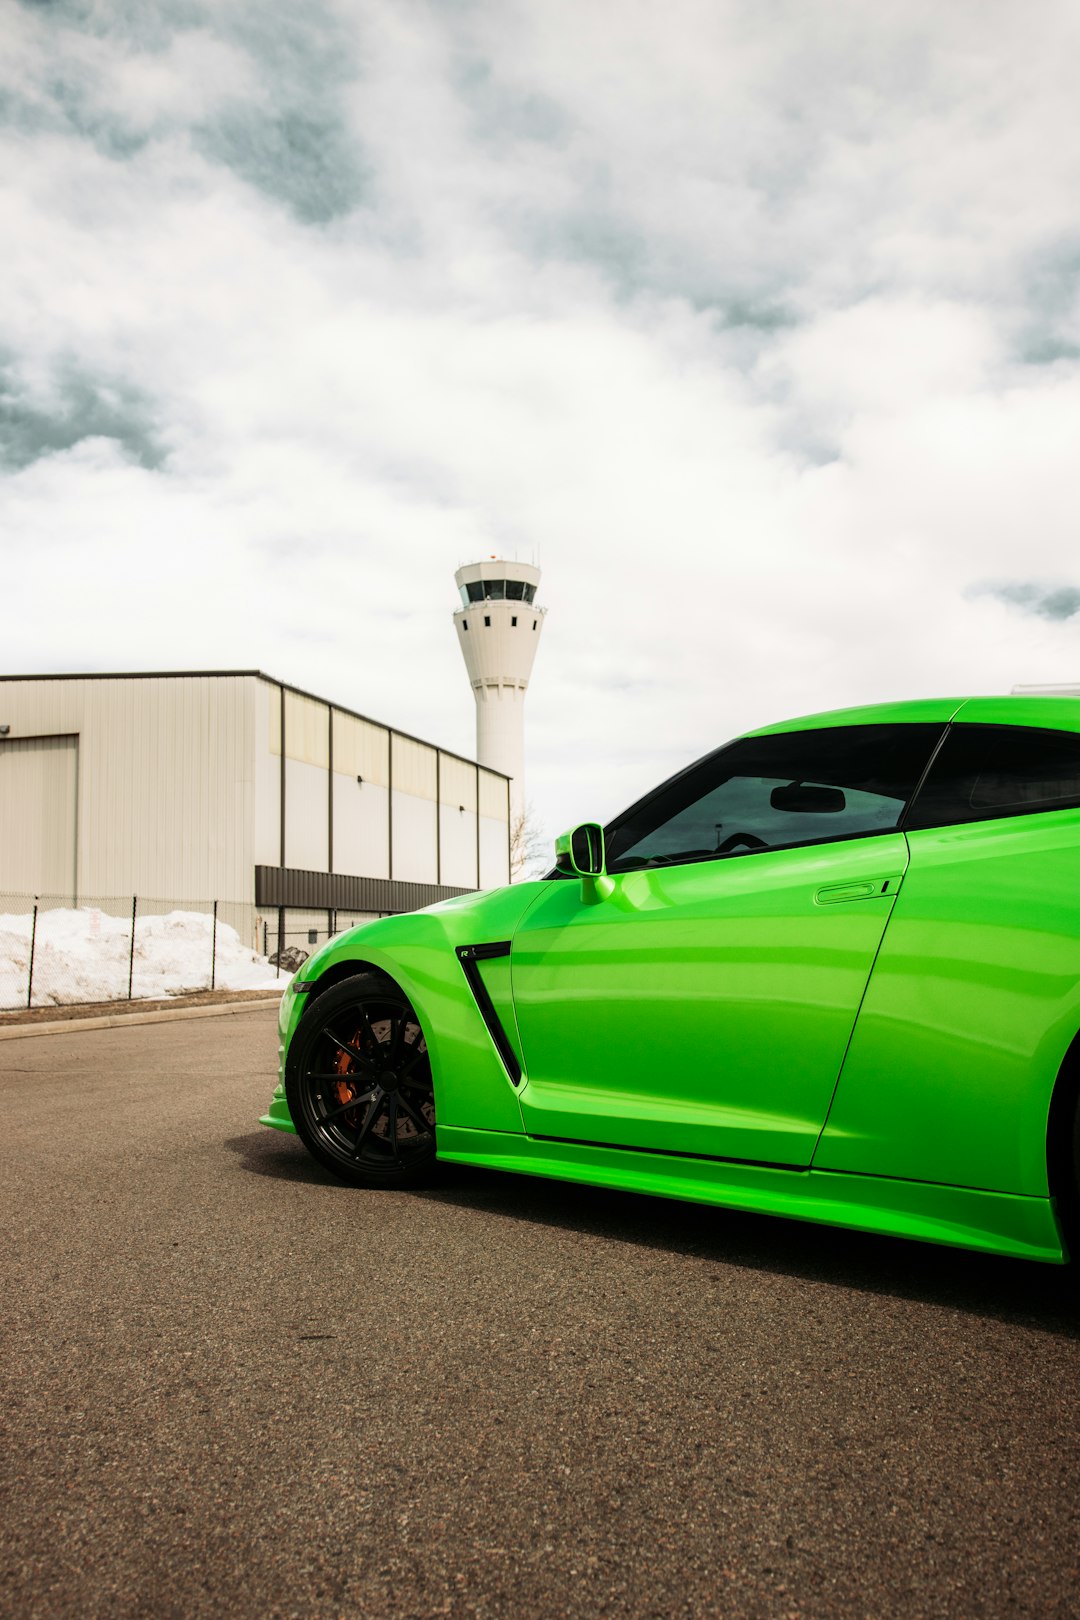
[[831, 970]]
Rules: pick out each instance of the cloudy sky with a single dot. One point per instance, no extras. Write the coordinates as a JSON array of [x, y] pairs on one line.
[[755, 322]]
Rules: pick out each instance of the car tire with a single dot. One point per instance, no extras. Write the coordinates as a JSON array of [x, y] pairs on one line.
[[358, 1084]]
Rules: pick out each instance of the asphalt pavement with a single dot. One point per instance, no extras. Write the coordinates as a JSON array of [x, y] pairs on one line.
[[234, 1387]]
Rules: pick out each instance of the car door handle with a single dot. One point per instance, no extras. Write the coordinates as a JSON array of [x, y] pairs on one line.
[[863, 889]]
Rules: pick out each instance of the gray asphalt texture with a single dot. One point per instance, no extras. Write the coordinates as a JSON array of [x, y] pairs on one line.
[[234, 1387]]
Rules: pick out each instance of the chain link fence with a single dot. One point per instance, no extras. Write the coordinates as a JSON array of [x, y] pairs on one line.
[[292, 947], [299, 940], [110, 948]]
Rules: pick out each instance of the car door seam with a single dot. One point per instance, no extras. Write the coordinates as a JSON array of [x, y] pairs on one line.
[[862, 999]]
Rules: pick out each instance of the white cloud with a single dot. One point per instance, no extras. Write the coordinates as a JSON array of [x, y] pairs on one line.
[[723, 312]]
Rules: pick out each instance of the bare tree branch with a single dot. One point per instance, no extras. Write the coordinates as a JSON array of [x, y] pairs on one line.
[[529, 855]]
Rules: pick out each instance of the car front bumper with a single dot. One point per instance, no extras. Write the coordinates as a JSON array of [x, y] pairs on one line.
[[277, 1115]]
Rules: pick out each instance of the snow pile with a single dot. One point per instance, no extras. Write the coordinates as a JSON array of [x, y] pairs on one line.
[[84, 956]]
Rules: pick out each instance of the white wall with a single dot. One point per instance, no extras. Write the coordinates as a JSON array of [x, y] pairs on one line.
[[267, 774], [494, 841], [414, 839], [494, 855], [458, 833], [307, 819], [38, 820], [307, 783], [179, 781], [415, 776], [361, 774], [166, 792], [331, 751], [361, 827], [457, 822]]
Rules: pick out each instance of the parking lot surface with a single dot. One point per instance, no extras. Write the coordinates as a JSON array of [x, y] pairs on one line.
[[234, 1387]]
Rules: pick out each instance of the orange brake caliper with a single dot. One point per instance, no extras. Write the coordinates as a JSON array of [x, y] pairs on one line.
[[345, 1089]]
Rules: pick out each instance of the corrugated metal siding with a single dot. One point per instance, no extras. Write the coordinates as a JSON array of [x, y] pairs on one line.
[[494, 853], [180, 786], [306, 813], [493, 797], [267, 773], [307, 730], [457, 783], [361, 827], [166, 778], [361, 749], [414, 768], [457, 830], [415, 855], [324, 891], [38, 787]]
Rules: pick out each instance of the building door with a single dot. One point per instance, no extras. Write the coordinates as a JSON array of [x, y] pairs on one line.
[[38, 816]]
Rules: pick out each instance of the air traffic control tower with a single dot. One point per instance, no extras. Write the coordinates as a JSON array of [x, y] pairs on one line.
[[498, 627]]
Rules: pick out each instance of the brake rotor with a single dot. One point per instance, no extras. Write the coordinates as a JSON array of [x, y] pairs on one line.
[[351, 1084]]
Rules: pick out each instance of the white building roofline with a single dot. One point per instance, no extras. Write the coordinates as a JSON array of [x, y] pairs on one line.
[[256, 674]]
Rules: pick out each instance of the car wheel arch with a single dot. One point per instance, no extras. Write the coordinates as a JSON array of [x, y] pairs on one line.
[[360, 984], [339, 971]]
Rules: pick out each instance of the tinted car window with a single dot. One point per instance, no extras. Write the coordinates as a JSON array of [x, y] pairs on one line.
[[984, 772], [802, 787]]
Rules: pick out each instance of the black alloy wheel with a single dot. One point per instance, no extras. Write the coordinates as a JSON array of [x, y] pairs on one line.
[[358, 1084]]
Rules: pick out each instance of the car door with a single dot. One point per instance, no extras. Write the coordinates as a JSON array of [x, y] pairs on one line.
[[701, 1000], [975, 996]]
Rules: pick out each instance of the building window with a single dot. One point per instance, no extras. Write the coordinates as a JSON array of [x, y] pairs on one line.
[[487, 620], [534, 624], [513, 619], [497, 590], [464, 624]]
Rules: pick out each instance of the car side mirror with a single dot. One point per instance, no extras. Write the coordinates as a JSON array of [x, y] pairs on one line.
[[581, 850]]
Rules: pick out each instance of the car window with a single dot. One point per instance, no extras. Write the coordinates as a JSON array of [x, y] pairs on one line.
[[773, 792], [982, 773]]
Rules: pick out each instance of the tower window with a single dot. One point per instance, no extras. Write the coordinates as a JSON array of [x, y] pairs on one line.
[[464, 624], [513, 618], [487, 620], [534, 624], [497, 590]]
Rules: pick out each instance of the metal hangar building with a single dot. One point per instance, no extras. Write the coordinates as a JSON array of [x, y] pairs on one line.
[[292, 812]]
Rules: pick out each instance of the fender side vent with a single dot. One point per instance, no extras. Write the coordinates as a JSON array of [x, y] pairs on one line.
[[469, 956]]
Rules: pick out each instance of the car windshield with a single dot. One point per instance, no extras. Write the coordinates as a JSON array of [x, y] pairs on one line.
[[774, 792]]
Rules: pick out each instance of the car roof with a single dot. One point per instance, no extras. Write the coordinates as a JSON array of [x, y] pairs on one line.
[[1012, 709]]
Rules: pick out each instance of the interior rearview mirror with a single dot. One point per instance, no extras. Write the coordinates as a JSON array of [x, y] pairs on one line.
[[581, 850], [808, 798]]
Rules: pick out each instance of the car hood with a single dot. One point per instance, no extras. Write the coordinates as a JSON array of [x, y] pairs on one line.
[[465, 919]]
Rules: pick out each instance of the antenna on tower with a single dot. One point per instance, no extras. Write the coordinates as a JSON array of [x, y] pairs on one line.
[[498, 628]]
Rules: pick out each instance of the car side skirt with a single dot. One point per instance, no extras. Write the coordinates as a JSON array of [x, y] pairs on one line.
[[998, 1223]]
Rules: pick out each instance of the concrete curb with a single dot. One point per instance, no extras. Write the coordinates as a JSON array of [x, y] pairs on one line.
[[165, 1015]]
